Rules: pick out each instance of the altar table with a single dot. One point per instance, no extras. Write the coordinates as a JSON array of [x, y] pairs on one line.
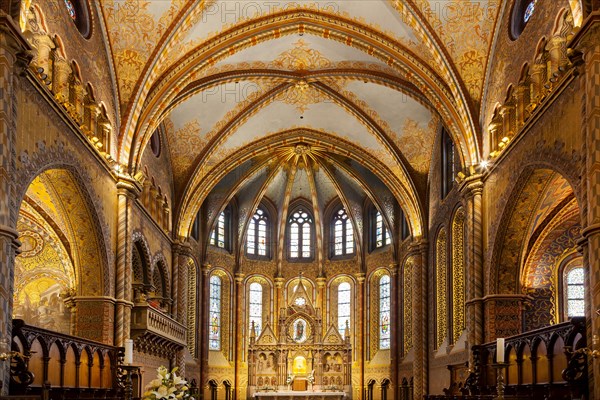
[[300, 395]]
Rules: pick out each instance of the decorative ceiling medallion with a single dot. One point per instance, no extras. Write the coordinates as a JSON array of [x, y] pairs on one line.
[[301, 58], [31, 243]]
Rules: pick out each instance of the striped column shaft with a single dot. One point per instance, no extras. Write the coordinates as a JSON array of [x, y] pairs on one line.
[[475, 290], [420, 334], [12, 45], [590, 44], [586, 57], [175, 284], [127, 191], [477, 280]]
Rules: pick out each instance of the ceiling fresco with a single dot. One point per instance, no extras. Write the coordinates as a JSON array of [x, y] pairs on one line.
[[301, 172], [224, 76], [465, 29]]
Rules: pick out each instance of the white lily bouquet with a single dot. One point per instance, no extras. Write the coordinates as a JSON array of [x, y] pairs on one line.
[[289, 379], [167, 385]]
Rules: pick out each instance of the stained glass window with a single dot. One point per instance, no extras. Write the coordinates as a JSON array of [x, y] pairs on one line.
[[255, 307], [71, 9], [218, 235], [214, 330], [382, 235], [384, 312], [575, 293], [256, 239], [529, 11], [343, 234], [300, 224], [344, 296]]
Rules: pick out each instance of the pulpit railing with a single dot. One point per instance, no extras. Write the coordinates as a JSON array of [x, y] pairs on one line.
[[544, 363], [58, 366], [146, 319]]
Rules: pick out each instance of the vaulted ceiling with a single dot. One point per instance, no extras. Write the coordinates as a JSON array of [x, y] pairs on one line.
[[233, 81]]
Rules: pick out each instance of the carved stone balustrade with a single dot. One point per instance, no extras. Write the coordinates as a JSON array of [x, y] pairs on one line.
[[155, 331]]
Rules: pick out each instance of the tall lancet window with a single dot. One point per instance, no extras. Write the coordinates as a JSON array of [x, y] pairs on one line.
[[384, 312], [257, 238], [575, 292], [381, 235], [343, 234], [220, 233], [344, 296], [214, 334], [300, 235], [255, 305]]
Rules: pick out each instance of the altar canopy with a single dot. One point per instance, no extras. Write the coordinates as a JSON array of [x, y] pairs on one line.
[[299, 354]]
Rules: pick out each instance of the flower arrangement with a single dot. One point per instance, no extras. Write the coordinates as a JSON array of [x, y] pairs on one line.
[[311, 377], [289, 379], [167, 385]]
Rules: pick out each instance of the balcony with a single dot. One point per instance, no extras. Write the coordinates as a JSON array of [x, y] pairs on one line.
[[154, 328]]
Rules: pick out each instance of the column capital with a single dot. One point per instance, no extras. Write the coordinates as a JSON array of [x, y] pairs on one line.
[[206, 269], [587, 36], [279, 281], [239, 277], [183, 248], [11, 37], [393, 267], [360, 277], [10, 234], [321, 280], [472, 185], [418, 247], [128, 186]]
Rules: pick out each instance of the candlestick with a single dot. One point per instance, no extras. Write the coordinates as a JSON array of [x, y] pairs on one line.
[[128, 351], [500, 350]]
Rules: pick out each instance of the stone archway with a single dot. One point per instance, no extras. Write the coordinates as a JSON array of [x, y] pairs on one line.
[[541, 212], [63, 267]]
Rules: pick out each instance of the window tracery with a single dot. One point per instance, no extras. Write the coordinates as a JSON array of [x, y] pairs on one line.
[[380, 234], [255, 307], [344, 295], [257, 238], [220, 234], [384, 312], [343, 234], [214, 335], [300, 235], [575, 292]]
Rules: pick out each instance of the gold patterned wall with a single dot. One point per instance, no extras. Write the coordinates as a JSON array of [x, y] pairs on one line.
[[192, 308], [458, 274], [407, 306], [441, 289]]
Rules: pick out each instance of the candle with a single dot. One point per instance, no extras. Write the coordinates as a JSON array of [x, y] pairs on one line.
[[128, 351], [500, 350]]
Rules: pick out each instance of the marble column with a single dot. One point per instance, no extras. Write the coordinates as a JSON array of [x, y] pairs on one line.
[[128, 189], [14, 60], [277, 303], [396, 333], [362, 327], [472, 189], [239, 326], [587, 44], [418, 253], [204, 320], [181, 253]]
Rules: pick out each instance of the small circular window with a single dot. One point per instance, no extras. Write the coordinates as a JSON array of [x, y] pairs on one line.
[[79, 12], [522, 12], [155, 143]]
